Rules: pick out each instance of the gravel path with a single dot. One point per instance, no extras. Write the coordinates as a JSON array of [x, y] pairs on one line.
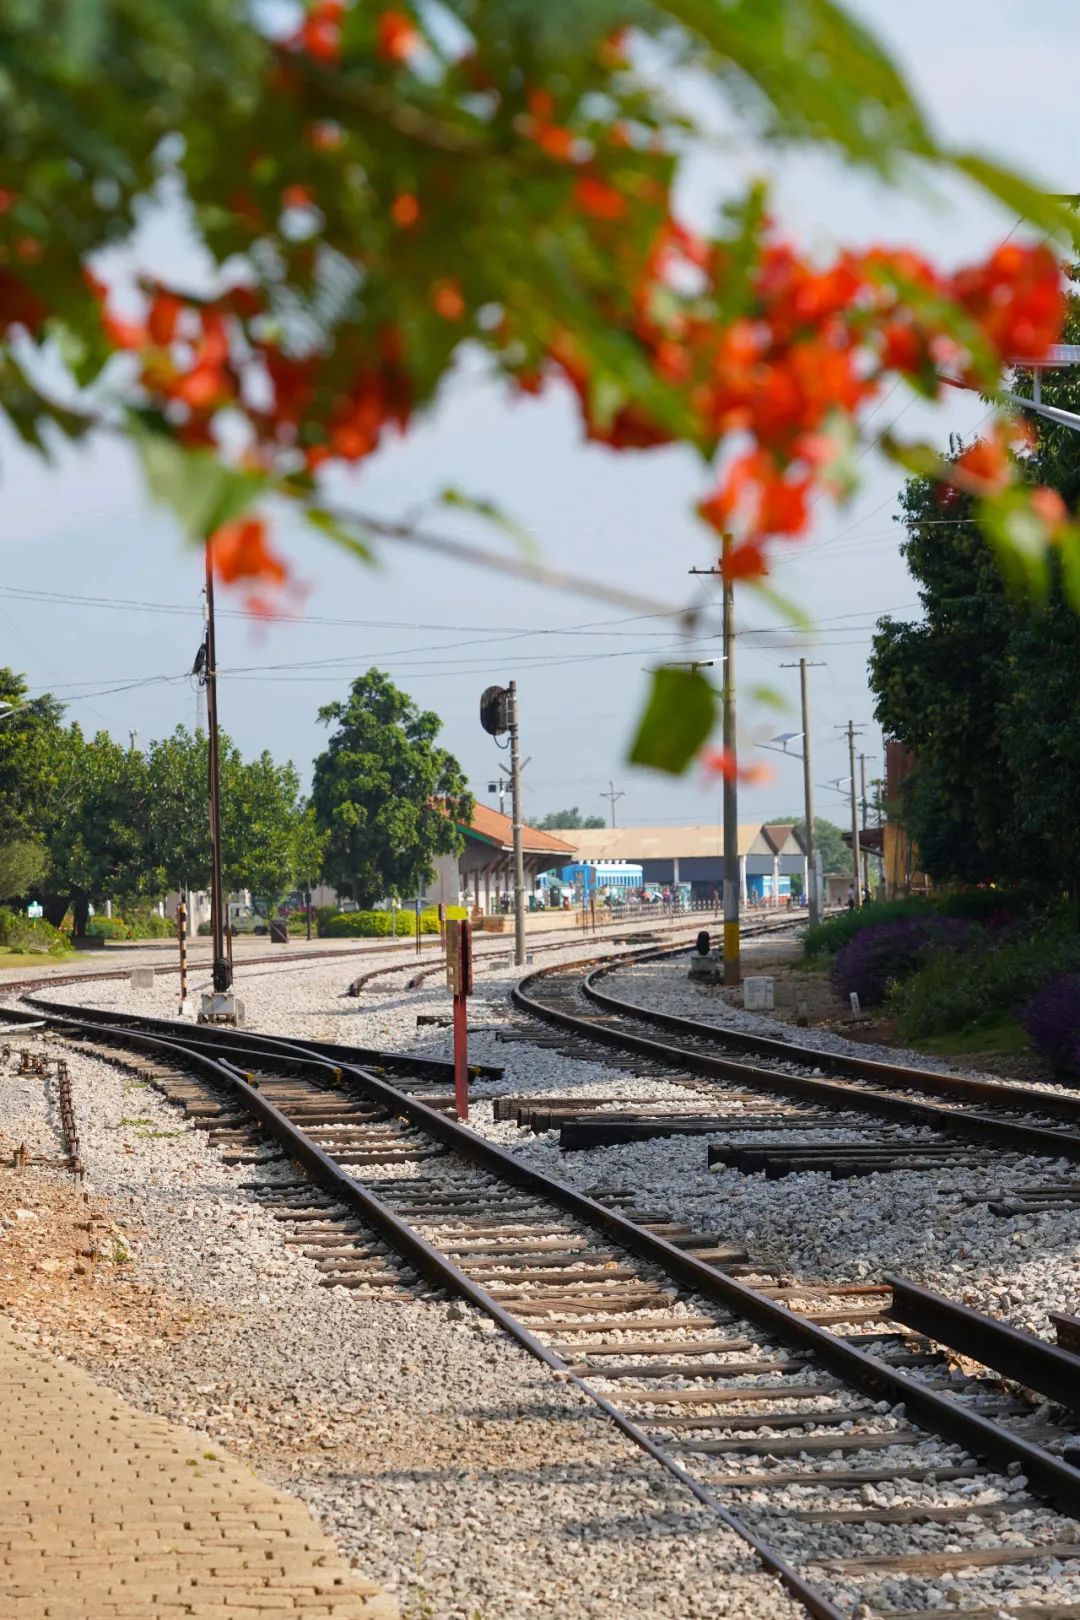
[[437, 1453]]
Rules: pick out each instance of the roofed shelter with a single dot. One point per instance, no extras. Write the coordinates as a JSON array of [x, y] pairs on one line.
[[485, 868], [695, 854]]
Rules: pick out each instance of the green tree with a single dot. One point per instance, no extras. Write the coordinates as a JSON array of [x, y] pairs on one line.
[[261, 814], [309, 849], [384, 793], [982, 689], [31, 757], [569, 818], [94, 829], [22, 865], [828, 842]]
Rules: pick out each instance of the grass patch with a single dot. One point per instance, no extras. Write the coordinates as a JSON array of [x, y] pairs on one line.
[[1006, 1038], [123, 1122], [149, 1136], [16, 958]]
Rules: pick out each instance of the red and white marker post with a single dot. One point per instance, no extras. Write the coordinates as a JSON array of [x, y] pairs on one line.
[[459, 978]]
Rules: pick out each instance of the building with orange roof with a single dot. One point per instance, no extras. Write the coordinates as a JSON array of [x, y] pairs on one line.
[[483, 874]]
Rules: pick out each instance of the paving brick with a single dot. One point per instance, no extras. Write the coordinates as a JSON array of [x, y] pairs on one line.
[[107, 1515]]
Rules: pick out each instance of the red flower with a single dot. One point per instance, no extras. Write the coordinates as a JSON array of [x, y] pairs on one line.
[[238, 550], [320, 34], [597, 198], [165, 311], [1048, 505], [986, 465], [447, 299], [396, 38], [405, 210], [1017, 299]]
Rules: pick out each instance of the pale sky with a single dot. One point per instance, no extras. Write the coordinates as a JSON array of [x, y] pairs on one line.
[[999, 76]]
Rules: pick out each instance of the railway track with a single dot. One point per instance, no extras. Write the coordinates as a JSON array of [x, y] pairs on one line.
[[833, 1428], [648, 933], [783, 1107]]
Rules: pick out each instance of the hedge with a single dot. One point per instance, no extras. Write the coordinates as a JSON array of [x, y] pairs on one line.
[[31, 934], [380, 924]]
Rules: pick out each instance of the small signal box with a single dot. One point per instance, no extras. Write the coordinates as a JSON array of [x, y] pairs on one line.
[[459, 960]]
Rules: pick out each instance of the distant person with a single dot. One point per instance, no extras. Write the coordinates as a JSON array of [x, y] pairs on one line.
[[851, 897], [867, 897]]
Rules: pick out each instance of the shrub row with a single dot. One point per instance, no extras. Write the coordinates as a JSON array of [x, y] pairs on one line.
[[376, 924], [1001, 974], [994, 908], [1052, 1019], [880, 955], [134, 925], [31, 934]]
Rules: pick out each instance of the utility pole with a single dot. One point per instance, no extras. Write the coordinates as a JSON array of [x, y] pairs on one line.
[[515, 804], [855, 851], [222, 966], [865, 819], [813, 898], [732, 896], [612, 796]]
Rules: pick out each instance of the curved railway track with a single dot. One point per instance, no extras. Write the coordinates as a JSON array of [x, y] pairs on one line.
[[802, 1108], [731, 1380]]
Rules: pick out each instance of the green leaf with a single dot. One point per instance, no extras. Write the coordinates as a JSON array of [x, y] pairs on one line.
[[487, 509], [202, 491], [678, 718], [1057, 218], [335, 530], [820, 73], [768, 697]]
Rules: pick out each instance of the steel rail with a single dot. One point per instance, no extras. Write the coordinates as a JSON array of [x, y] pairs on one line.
[[439, 1269], [788, 1050], [1048, 1474], [1035, 1363], [840, 1094]]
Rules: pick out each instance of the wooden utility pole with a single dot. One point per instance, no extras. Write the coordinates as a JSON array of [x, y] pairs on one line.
[[732, 897], [732, 891], [222, 965], [519, 857], [813, 898], [855, 851], [612, 796]]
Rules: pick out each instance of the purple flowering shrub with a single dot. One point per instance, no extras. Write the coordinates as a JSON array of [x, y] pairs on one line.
[[1052, 1019], [878, 956]]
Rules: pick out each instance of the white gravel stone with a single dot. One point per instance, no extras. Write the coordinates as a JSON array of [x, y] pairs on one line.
[[446, 1460]]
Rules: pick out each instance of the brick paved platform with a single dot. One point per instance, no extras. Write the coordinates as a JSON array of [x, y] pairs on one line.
[[105, 1513]]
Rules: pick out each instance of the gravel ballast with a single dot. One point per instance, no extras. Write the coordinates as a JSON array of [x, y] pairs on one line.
[[435, 1486], [441, 1456]]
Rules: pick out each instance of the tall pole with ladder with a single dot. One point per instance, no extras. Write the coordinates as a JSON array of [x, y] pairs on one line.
[[855, 851], [732, 892], [813, 898], [519, 856], [732, 897], [222, 966]]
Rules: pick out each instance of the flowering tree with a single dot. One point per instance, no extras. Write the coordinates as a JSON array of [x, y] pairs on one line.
[[372, 187]]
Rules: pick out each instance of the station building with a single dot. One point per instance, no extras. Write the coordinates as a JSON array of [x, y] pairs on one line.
[[770, 855], [483, 874]]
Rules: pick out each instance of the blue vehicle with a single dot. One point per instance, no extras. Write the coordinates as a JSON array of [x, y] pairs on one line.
[[602, 879]]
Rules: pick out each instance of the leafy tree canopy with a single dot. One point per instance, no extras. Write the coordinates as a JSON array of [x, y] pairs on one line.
[[386, 795], [568, 818], [983, 688], [370, 188], [263, 819], [828, 841]]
